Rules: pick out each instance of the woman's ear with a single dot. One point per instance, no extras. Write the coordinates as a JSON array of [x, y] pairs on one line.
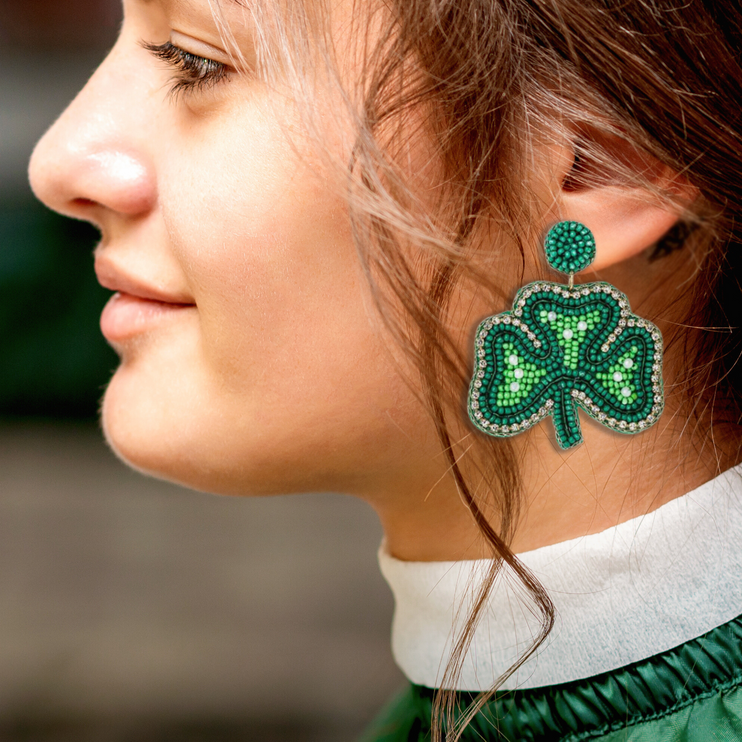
[[627, 198]]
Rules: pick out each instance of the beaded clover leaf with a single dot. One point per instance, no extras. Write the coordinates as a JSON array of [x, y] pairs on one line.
[[564, 347]]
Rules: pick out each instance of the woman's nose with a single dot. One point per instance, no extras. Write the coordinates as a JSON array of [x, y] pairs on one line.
[[95, 161]]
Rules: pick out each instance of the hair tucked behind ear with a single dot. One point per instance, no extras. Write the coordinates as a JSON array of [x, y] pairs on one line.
[[479, 81]]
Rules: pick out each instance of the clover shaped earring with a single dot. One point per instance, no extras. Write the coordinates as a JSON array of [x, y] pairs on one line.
[[563, 348]]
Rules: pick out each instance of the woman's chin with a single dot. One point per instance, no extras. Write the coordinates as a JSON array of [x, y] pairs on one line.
[[161, 437], [138, 425], [137, 447]]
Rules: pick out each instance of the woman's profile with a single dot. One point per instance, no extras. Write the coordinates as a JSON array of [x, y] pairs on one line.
[[306, 211]]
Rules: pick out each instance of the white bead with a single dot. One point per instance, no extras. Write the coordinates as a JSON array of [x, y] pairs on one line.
[[513, 360], [618, 376], [515, 386], [518, 373], [582, 326], [626, 391], [551, 316], [567, 334], [628, 363]]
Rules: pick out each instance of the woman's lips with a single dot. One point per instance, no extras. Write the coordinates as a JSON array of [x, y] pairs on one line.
[[126, 315]]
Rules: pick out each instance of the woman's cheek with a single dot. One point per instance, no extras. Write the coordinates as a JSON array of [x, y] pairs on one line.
[[282, 380], [270, 260]]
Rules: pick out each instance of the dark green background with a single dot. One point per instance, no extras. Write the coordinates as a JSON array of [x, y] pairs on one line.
[[54, 360]]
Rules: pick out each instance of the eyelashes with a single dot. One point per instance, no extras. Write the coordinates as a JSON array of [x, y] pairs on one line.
[[192, 73]]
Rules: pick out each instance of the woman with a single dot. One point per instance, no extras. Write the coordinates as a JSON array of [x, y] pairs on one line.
[[305, 212]]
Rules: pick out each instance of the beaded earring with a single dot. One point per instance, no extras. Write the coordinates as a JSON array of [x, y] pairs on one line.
[[564, 347]]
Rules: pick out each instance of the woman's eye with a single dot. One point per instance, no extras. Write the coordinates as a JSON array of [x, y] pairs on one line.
[[191, 71]]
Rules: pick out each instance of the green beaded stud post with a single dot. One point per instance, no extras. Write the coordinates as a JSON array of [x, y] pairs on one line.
[[570, 247], [563, 348]]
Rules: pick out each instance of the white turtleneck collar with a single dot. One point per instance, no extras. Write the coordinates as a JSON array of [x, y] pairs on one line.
[[623, 595]]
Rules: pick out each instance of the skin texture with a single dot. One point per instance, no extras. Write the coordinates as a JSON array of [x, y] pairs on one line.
[[276, 375]]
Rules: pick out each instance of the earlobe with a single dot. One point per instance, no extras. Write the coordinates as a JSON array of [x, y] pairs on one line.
[[625, 218]]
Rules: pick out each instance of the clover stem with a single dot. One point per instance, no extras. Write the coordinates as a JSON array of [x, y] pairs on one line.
[[566, 420]]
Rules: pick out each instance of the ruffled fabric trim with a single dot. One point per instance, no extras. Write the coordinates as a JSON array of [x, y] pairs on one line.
[[692, 692]]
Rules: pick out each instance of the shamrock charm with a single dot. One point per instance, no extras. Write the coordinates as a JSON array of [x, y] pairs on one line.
[[564, 347]]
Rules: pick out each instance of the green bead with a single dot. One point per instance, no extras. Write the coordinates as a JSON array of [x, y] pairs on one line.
[[570, 247]]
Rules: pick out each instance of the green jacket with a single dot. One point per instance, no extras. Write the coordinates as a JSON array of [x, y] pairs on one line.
[[692, 693]]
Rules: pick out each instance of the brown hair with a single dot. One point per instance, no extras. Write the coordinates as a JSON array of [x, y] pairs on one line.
[[477, 78]]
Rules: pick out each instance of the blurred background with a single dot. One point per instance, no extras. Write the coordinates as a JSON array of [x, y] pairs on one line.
[[131, 609]]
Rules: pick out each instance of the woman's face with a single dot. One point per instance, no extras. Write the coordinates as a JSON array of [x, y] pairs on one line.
[[251, 360]]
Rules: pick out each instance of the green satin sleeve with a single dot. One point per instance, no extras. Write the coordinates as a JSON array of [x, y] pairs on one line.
[[692, 693], [401, 719]]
